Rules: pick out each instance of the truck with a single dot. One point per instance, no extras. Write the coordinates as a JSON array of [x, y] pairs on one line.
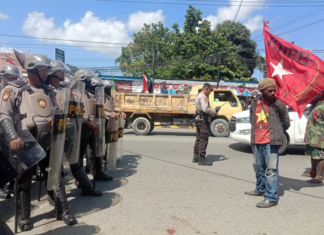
[[144, 110]]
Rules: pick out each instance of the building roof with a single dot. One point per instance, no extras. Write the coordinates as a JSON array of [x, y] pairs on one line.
[[12, 57]]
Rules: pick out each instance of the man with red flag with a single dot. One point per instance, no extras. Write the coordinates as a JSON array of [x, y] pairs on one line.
[[298, 73], [145, 84]]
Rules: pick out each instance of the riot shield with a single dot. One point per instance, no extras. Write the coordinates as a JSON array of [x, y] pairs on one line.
[[14, 163], [100, 120], [121, 126], [112, 141], [58, 139], [74, 122]]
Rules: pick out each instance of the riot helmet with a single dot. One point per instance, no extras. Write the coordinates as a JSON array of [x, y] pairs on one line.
[[59, 70], [108, 86], [38, 64], [10, 71], [90, 79]]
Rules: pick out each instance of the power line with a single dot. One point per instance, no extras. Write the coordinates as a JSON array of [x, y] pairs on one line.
[[58, 39], [258, 4], [238, 11]]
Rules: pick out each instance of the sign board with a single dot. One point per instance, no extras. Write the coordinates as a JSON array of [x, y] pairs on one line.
[[59, 55]]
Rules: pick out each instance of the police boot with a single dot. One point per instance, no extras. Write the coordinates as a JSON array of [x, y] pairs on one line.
[[84, 183], [24, 222], [100, 176], [62, 207], [203, 161], [4, 194], [195, 158], [50, 198]]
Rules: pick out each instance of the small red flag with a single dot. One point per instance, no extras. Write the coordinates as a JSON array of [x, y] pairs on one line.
[[145, 84], [9, 61], [298, 73]]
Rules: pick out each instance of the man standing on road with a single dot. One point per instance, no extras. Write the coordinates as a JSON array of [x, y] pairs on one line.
[[269, 119], [202, 119], [314, 141]]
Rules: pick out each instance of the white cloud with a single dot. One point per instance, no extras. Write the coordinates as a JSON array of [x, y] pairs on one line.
[[3, 16], [228, 13], [254, 23], [137, 20], [89, 28], [6, 50]]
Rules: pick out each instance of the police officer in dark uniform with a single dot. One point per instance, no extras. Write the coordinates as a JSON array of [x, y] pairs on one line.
[[56, 78], [203, 119]]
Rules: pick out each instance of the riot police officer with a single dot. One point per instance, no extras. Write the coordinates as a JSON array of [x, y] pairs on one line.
[[57, 78], [26, 101], [91, 82], [8, 73], [202, 119]]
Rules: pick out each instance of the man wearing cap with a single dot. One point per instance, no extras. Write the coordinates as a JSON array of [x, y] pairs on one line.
[[202, 119], [269, 119]]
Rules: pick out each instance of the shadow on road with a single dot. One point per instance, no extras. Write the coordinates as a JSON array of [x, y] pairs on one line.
[[81, 228], [216, 158], [286, 184], [178, 132], [245, 148]]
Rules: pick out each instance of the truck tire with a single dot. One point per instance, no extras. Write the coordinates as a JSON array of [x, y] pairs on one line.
[[152, 127], [283, 147], [219, 128], [141, 126]]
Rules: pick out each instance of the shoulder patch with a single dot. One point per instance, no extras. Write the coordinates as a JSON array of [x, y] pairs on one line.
[[8, 90], [5, 96], [205, 99]]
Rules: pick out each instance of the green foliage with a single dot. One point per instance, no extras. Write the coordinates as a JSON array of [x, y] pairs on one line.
[[192, 54]]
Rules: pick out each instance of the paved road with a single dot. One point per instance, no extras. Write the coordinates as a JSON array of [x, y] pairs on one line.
[[157, 190]]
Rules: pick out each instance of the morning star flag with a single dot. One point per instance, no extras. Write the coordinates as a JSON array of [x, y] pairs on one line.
[[9, 61], [145, 84], [298, 73]]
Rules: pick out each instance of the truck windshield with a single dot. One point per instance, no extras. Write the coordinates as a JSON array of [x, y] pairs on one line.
[[225, 96]]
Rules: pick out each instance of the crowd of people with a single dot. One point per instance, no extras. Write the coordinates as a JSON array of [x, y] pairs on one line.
[[61, 115], [48, 116]]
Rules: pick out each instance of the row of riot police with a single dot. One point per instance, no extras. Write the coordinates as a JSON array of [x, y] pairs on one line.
[[49, 117]]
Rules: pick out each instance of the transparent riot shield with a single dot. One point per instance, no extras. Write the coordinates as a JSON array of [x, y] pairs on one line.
[[74, 122], [100, 120], [121, 126], [14, 163], [112, 141], [58, 139]]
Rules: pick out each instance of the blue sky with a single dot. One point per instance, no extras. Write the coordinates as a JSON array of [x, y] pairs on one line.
[[105, 21]]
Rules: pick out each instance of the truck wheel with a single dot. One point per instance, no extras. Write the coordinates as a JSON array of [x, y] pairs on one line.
[[141, 126], [283, 147], [219, 128], [152, 127]]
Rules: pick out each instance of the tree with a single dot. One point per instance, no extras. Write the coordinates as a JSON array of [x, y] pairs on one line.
[[191, 54], [240, 35], [262, 66]]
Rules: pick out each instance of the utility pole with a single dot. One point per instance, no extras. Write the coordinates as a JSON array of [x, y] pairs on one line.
[[218, 78], [151, 90]]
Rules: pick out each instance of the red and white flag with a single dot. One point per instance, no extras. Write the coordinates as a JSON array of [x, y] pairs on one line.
[[145, 84], [299, 74], [9, 61]]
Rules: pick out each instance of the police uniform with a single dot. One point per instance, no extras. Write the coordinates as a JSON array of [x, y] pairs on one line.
[[82, 180], [89, 111], [20, 103], [202, 120]]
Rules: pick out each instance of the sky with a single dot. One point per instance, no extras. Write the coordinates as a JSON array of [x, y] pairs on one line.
[[114, 22]]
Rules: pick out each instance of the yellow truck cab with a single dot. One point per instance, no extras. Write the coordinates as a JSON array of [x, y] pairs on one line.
[[144, 110]]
